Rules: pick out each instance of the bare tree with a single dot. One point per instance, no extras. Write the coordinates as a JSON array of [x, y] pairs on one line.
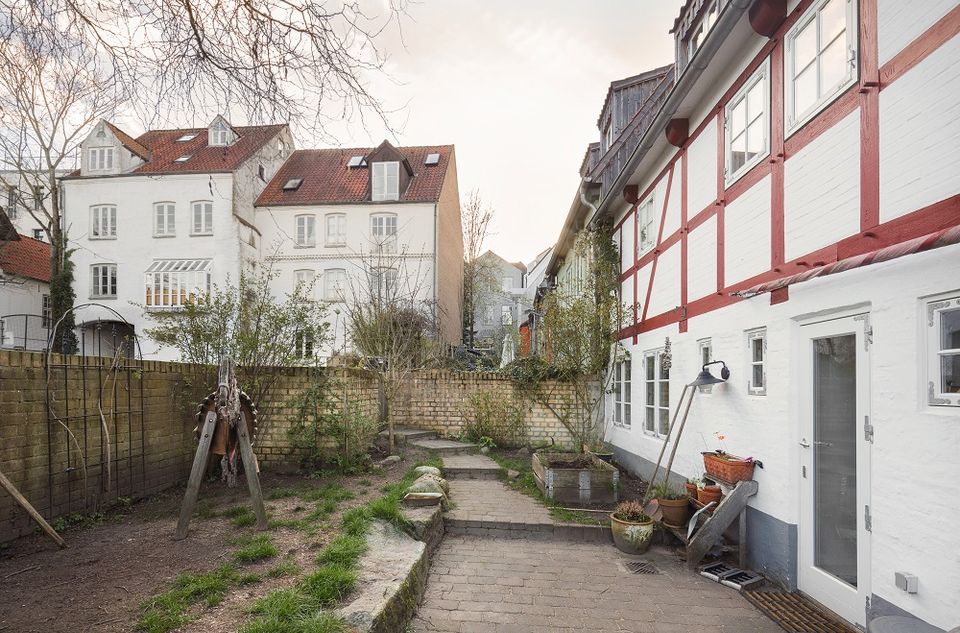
[[476, 215], [275, 59]]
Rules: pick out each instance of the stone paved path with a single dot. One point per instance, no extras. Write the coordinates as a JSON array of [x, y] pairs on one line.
[[470, 467], [484, 585]]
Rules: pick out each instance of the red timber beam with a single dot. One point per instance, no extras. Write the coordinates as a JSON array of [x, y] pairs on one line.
[[659, 248], [869, 93]]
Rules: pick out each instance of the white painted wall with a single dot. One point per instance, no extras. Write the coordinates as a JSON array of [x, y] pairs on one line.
[[19, 296], [747, 234], [665, 294], [702, 266], [702, 170], [899, 22]]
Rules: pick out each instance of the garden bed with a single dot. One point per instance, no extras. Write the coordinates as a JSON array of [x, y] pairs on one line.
[[576, 478]]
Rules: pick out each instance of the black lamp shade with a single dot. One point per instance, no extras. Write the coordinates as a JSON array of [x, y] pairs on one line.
[[706, 378]]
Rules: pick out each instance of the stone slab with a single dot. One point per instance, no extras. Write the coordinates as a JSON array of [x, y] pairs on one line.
[[444, 447], [470, 467]]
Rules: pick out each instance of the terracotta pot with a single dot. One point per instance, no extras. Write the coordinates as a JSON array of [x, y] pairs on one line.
[[709, 493], [675, 511], [629, 537], [691, 490]]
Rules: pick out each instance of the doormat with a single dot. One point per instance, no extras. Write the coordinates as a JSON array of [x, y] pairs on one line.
[[795, 613]]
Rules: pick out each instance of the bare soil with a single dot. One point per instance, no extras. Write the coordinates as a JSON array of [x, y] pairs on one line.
[[98, 583]]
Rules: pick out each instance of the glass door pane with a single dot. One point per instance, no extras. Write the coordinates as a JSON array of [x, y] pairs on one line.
[[835, 456]]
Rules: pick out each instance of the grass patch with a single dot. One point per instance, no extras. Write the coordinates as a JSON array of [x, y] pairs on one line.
[[240, 516], [301, 525], [345, 550], [527, 484], [283, 493], [168, 610], [330, 492], [315, 623], [283, 569], [256, 549], [329, 584]]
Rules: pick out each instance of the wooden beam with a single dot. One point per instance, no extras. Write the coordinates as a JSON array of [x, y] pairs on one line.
[[251, 470], [766, 16], [196, 475], [19, 498], [713, 528]]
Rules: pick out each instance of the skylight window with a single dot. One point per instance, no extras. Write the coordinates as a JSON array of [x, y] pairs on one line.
[[187, 137], [293, 184], [432, 159], [355, 161], [183, 158]]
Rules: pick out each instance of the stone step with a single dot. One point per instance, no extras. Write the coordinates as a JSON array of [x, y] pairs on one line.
[[402, 436], [470, 467], [524, 530], [444, 447]]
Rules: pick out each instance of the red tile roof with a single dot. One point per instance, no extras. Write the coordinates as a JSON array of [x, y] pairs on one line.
[[127, 141], [328, 180], [26, 257]]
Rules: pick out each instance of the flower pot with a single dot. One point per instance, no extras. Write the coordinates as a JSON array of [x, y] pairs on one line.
[[709, 493], [629, 537], [691, 490], [727, 468], [675, 511]]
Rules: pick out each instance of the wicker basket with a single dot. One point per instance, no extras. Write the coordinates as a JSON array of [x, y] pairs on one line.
[[728, 468]]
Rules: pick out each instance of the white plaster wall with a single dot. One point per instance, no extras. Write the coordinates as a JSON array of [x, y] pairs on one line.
[[627, 245], [666, 283], [22, 296], [920, 134], [899, 22], [913, 464], [702, 170], [135, 247], [747, 234], [821, 190], [627, 299], [643, 280], [702, 265], [672, 220]]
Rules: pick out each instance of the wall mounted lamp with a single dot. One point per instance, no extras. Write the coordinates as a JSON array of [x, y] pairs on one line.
[[706, 378]]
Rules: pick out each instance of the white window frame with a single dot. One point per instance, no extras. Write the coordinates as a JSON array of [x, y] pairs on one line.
[[622, 396], [653, 359], [103, 277], [103, 222], [306, 277], [338, 236], [46, 311], [384, 282], [164, 219], [383, 231], [935, 309], [506, 315], [758, 334], [385, 181], [304, 344], [219, 134], [205, 207], [703, 28], [168, 284], [761, 75], [794, 120], [305, 230], [100, 158], [334, 284], [646, 219], [704, 356]]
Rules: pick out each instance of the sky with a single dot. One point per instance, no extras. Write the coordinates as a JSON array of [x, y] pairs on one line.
[[517, 87]]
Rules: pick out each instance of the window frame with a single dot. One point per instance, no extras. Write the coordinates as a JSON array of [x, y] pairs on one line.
[[622, 394], [304, 344], [341, 219], [219, 134], [656, 357], [96, 279], [761, 74], [205, 230], [299, 278], [46, 311], [101, 163], [383, 282], [935, 308], [380, 175], [170, 219], [506, 315], [705, 345], [794, 120], [309, 237], [751, 336], [330, 292], [387, 242], [97, 219]]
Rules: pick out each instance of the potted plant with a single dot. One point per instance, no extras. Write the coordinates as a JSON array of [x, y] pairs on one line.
[[674, 505], [708, 493], [632, 529], [692, 485]]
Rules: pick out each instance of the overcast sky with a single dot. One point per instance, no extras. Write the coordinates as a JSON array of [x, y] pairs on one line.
[[517, 87]]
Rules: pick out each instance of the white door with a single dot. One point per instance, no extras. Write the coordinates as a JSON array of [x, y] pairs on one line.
[[834, 565]]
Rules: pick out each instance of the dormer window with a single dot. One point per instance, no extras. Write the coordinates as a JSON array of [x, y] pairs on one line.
[[219, 134], [701, 30], [386, 181], [100, 159]]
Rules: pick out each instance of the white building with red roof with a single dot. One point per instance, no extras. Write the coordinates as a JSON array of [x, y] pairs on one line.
[[157, 218], [24, 289]]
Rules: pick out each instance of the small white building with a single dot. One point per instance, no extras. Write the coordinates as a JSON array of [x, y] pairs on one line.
[[24, 289], [790, 204], [352, 221], [164, 216]]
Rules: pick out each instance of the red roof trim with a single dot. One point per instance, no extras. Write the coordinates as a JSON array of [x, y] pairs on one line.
[[26, 257]]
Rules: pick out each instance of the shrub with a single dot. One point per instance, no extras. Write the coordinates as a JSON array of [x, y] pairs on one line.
[[631, 511], [666, 491], [495, 420]]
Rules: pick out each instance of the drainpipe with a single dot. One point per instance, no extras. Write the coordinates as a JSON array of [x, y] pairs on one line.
[[436, 261]]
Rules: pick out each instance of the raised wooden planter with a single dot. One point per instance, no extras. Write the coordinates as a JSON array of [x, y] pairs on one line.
[[576, 478]]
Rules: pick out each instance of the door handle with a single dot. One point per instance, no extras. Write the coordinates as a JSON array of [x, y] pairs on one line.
[[804, 443]]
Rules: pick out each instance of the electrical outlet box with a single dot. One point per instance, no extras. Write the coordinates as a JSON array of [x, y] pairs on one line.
[[907, 582]]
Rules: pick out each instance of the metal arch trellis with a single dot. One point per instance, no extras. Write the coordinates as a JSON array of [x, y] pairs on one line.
[[95, 391]]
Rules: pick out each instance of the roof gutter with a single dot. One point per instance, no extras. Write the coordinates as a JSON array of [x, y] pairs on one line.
[[725, 24]]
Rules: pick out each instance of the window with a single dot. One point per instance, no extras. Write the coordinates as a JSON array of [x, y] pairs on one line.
[[183, 159], [100, 158], [656, 394], [747, 124], [103, 281], [164, 219], [11, 200], [621, 392], [303, 344], [37, 198], [646, 237], [384, 283], [386, 181], [45, 311], [262, 173], [303, 281], [306, 231], [507, 284], [607, 136], [336, 229], [756, 359], [489, 315], [219, 134], [334, 284], [38, 234], [702, 29], [202, 218], [172, 283], [506, 315], [705, 350], [383, 230], [943, 344], [820, 58], [103, 222]]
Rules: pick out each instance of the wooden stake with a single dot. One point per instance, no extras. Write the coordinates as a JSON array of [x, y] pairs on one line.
[[250, 469], [19, 498], [196, 476]]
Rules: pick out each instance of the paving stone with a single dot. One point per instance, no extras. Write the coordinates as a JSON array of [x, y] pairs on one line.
[[444, 447]]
